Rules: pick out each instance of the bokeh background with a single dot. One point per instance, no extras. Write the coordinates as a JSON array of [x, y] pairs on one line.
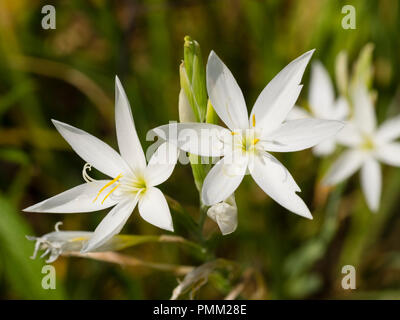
[[68, 74]]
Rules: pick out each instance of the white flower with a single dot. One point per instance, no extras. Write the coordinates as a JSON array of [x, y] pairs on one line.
[[59, 242], [133, 181], [322, 103], [367, 146], [225, 215], [245, 145]]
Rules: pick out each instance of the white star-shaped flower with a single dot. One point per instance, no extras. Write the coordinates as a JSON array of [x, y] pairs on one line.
[[323, 105], [133, 180], [246, 144], [367, 146]]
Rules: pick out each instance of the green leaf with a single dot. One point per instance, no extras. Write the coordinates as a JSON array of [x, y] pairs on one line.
[[22, 274]]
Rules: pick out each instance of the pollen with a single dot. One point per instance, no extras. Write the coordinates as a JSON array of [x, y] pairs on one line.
[[254, 120]]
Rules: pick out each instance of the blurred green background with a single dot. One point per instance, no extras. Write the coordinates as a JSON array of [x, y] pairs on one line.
[[68, 74]]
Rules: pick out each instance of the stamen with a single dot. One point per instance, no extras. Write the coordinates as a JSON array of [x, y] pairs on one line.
[[45, 253], [106, 186], [112, 190], [85, 175], [233, 133], [37, 246], [56, 227], [255, 141], [254, 120], [78, 239]]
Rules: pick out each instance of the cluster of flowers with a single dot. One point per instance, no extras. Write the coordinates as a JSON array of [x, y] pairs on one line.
[[243, 146]]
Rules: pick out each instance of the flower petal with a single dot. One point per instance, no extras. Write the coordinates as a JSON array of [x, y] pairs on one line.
[[198, 138], [111, 225], [371, 183], [161, 164], [297, 113], [91, 149], [347, 164], [78, 199], [300, 134], [325, 148], [341, 109], [389, 130], [225, 214], [349, 136], [278, 97], [128, 141], [223, 179], [274, 179], [225, 94], [389, 153], [153, 208], [364, 112], [321, 95]]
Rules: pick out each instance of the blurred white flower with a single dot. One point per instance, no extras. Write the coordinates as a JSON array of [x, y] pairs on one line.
[[247, 143], [323, 105], [367, 146], [58, 242], [225, 215], [133, 181]]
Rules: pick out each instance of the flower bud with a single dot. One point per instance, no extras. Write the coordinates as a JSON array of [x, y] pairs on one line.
[[225, 215], [185, 110]]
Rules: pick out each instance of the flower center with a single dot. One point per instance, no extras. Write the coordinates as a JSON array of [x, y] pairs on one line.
[[367, 143], [245, 141], [135, 184]]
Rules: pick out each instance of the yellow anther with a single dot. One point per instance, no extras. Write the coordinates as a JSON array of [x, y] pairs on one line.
[[233, 133], [106, 186], [112, 190], [78, 239], [254, 120], [255, 141]]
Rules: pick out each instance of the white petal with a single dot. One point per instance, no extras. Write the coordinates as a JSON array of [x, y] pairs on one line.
[[347, 164], [161, 164], [341, 109], [225, 94], [349, 136], [112, 224], [300, 134], [321, 95], [364, 112], [371, 183], [154, 209], [389, 130], [198, 138], [278, 97], [274, 179], [128, 141], [325, 148], [389, 153], [297, 113], [78, 199], [225, 215], [94, 151], [223, 179]]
